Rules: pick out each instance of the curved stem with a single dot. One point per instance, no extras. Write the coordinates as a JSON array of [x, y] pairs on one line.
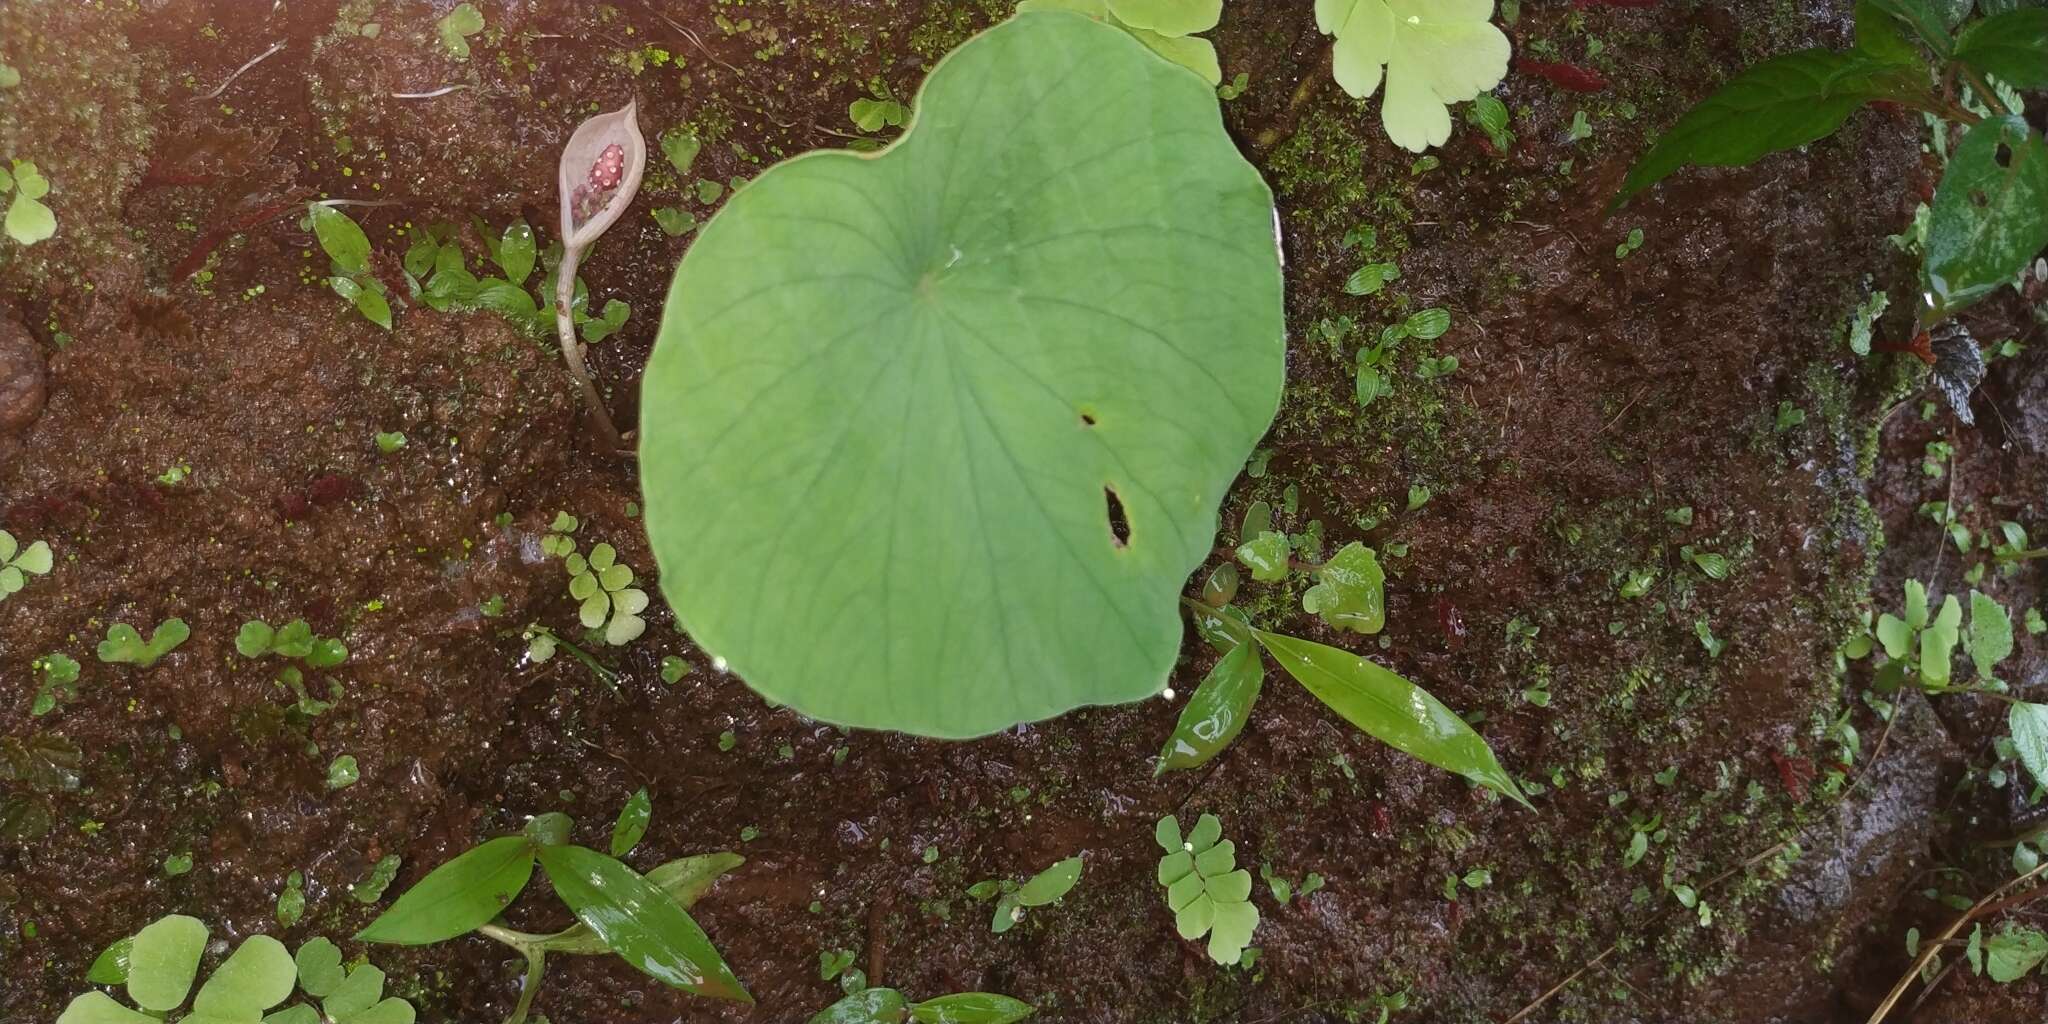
[[531, 947], [572, 350]]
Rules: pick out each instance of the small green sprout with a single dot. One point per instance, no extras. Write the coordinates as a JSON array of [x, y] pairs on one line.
[[1629, 245], [124, 645], [294, 641], [1012, 898], [343, 241], [1206, 890], [177, 864], [389, 442], [675, 222], [291, 900], [1789, 417], [457, 26], [342, 772], [560, 542], [681, 145], [371, 888], [59, 680], [18, 563], [28, 220], [1716, 567], [673, 669], [609, 601], [1234, 88], [882, 111]]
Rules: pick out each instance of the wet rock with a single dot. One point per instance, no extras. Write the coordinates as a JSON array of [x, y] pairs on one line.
[[23, 388]]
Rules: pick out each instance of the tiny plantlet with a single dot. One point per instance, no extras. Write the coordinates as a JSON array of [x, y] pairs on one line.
[[864, 1005], [607, 600], [157, 966], [294, 641], [125, 645], [643, 919], [18, 563], [342, 239], [1206, 890], [56, 679], [1012, 899], [28, 221]]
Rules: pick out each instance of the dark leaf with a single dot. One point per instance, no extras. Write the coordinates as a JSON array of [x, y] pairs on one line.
[[2013, 46], [1958, 368], [642, 924], [1217, 711], [1777, 105], [1391, 709]]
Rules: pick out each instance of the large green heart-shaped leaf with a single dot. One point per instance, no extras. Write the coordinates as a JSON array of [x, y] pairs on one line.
[[933, 438]]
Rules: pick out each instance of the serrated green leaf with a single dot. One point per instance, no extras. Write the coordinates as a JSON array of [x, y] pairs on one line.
[[1779, 104], [1232, 931], [640, 922], [835, 300], [1990, 637], [1391, 709], [2028, 724], [1216, 859], [1938, 642], [2013, 953], [1230, 887], [1990, 213], [458, 896], [1216, 713]]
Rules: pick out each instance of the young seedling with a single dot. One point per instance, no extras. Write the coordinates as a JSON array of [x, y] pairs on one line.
[[599, 175], [644, 919], [28, 220], [608, 600], [294, 641], [17, 563], [58, 675], [158, 964], [124, 645], [1206, 890], [342, 239], [1011, 898]]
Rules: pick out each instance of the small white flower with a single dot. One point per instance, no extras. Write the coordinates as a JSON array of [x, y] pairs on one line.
[[1434, 53]]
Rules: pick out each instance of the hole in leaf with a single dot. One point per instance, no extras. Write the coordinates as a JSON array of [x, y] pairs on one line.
[[2003, 156], [1979, 199], [1119, 527], [1087, 419]]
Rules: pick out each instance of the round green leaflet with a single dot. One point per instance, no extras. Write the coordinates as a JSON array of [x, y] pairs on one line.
[[932, 438]]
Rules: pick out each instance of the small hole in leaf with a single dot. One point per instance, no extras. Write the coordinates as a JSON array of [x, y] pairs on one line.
[[2003, 156], [1119, 527], [1979, 199], [1087, 419]]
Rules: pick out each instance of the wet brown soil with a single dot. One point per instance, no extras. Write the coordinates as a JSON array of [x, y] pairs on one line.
[[1595, 398]]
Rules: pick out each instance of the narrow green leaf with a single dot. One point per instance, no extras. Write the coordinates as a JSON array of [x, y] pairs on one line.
[[971, 1008], [1779, 104], [458, 896], [1217, 711], [163, 961], [640, 922], [632, 823], [111, 966], [1050, 884], [868, 1006], [684, 880], [2012, 46], [1391, 709], [1990, 213]]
